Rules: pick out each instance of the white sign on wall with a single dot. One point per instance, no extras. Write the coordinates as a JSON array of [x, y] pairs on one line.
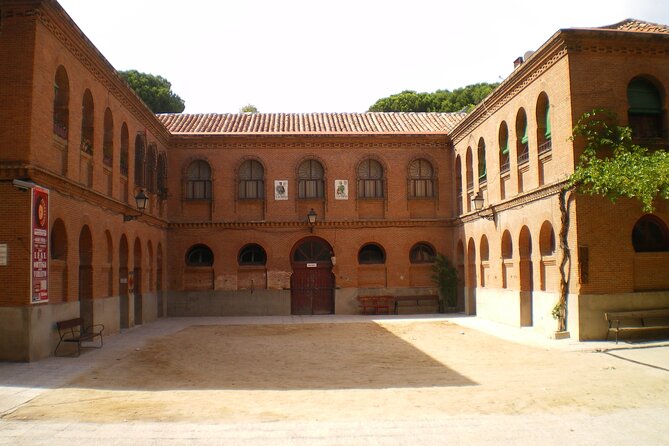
[[280, 189], [3, 254], [341, 189]]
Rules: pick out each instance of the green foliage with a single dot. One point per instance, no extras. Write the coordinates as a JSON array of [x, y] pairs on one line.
[[445, 277], [249, 108], [465, 98], [613, 166], [155, 91]]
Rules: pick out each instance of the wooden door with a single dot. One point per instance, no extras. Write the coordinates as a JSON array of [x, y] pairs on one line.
[[312, 281]]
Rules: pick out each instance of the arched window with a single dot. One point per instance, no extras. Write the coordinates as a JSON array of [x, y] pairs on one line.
[[198, 182], [140, 159], [310, 180], [422, 253], [252, 254], [650, 234], [370, 179], [125, 143], [108, 139], [645, 113], [507, 245], [544, 124], [421, 179], [87, 123], [251, 181], [61, 103], [458, 183], [547, 240], [371, 254], [151, 166], [162, 175], [483, 173], [199, 255], [522, 138], [504, 159], [470, 169]]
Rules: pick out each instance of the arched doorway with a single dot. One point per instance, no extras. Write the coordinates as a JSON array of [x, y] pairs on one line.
[[526, 276], [124, 299], [86, 276], [137, 274], [312, 281]]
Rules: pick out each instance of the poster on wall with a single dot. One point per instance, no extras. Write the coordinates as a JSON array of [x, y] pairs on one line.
[[39, 245], [280, 189], [341, 189]]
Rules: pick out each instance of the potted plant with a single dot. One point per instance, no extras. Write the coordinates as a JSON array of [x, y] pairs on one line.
[[445, 277]]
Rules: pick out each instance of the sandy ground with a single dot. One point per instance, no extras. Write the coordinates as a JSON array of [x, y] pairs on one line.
[[332, 372]]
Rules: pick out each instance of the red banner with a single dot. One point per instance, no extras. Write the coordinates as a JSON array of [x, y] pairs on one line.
[[39, 245]]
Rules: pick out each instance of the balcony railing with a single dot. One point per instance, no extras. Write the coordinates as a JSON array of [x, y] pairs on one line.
[[505, 167], [546, 147], [524, 157], [60, 130]]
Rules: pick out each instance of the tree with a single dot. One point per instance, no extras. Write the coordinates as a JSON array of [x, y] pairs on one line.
[[613, 166], [155, 91], [445, 276], [249, 108], [460, 99]]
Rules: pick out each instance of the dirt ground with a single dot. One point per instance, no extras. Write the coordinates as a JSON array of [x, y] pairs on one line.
[[366, 371]]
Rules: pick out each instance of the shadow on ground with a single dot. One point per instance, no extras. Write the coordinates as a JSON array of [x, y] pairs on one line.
[[273, 357]]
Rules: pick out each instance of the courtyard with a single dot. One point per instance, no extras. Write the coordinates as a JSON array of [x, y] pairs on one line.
[[338, 380]]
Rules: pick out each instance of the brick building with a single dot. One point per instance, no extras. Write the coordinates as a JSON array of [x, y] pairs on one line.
[[227, 230]]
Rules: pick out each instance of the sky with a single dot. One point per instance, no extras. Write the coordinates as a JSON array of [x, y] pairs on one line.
[[303, 56]]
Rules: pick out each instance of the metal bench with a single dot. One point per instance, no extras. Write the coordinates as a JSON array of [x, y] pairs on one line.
[[73, 331], [376, 304], [637, 320], [415, 301]]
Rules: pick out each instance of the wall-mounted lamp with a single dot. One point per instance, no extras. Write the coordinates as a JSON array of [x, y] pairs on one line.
[[141, 199], [311, 217], [478, 201]]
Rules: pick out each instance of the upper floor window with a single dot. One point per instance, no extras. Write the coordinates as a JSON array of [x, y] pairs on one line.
[[504, 159], [645, 113], [544, 124], [198, 182], [370, 179], [125, 142], [162, 175], [87, 123], [523, 140], [61, 103], [422, 253], [483, 173], [251, 184], [252, 254], [151, 167], [310, 180], [650, 234], [199, 255], [140, 159], [371, 254], [421, 179], [108, 139], [469, 169]]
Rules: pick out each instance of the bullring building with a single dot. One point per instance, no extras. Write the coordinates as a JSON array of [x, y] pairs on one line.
[[119, 216]]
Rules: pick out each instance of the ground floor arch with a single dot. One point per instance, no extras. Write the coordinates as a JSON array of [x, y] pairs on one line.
[[312, 281]]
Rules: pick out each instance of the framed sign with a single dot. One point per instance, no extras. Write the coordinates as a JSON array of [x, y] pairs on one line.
[[39, 245], [280, 189], [341, 189]]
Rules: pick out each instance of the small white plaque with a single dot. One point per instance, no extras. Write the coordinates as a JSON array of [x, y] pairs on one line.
[[3, 254], [312, 265]]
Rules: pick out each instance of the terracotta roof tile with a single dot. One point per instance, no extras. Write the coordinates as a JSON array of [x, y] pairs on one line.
[[311, 123], [635, 25]]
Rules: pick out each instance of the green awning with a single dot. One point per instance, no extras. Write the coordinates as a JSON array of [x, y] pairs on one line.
[[548, 121]]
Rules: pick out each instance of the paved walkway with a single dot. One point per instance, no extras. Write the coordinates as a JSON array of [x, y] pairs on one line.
[[21, 382]]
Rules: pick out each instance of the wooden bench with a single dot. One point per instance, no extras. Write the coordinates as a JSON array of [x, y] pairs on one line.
[[375, 304], [73, 331], [415, 301], [637, 320]]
